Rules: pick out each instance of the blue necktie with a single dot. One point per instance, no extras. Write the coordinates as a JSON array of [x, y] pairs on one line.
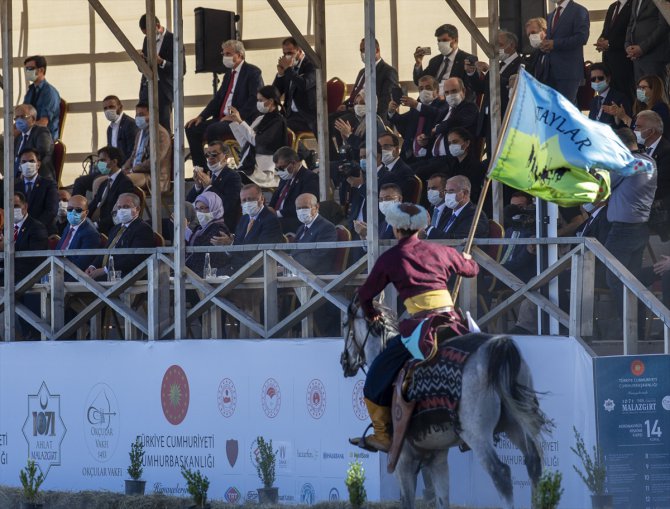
[[451, 221]]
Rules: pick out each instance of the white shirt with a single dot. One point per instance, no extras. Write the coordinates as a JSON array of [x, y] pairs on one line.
[[652, 148], [229, 100], [20, 223], [390, 166], [115, 131], [450, 64], [511, 58], [72, 229]]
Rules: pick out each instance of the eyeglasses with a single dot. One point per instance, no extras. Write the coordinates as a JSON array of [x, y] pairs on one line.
[[30, 68], [212, 155], [597, 78], [78, 210], [17, 117]]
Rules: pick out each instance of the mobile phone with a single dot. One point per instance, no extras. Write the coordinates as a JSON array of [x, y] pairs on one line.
[[396, 94], [426, 50], [472, 59]]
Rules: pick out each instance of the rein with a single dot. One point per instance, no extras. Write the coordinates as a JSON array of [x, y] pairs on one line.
[[361, 361]]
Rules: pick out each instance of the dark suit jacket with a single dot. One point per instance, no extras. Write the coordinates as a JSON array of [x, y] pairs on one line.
[[357, 200], [318, 261], [39, 139], [138, 234], [662, 157], [566, 61], [227, 185], [86, 237], [265, 230], [299, 86], [42, 201], [599, 228], [32, 237], [196, 261], [649, 30], [385, 231], [536, 63], [401, 174], [613, 97], [305, 181], [480, 84], [457, 70], [615, 57], [387, 78], [460, 229], [271, 133], [165, 73], [465, 115], [407, 124], [244, 95], [125, 140], [122, 184]]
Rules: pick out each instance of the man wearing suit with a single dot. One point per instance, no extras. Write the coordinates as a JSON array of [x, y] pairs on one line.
[[462, 213], [238, 91], [296, 80], [647, 39], [449, 63], [295, 180], [389, 194], [567, 33], [536, 30], [117, 183], [219, 179], [611, 44], [80, 233], [130, 232], [164, 50], [393, 170], [32, 136], [605, 96], [439, 212], [315, 228], [42, 95], [41, 194], [649, 132]]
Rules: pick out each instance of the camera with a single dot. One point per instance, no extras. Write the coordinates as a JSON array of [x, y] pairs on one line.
[[519, 217], [349, 169]]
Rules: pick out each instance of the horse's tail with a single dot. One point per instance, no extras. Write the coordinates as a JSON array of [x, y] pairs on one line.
[[510, 376]]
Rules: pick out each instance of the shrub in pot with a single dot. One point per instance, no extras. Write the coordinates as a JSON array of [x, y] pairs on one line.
[[267, 460], [355, 482], [135, 486], [197, 486], [594, 473], [31, 482], [548, 493]]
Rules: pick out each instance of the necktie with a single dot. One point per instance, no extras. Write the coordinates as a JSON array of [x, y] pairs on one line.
[[113, 243], [16, 232], [451, 221], [28, 187], [436, 216], [442, 69], [599, 104], [105, 191], [557, 15], [357, 88], [584, 230], [616, 12], [250, 225], [648, 150], [419, 130], [222, 112], [304, 232], [68, 239], [282, 196]]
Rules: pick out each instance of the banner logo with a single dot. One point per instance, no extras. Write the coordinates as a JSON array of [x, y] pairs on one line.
[[44, 429], [271, 398], [101, 422], [637, 367], [358, 401], [232, 450], [175, 394], [307, 494], [232, 495], [609, 405], [227, 397], [333, 495], [316, 399]]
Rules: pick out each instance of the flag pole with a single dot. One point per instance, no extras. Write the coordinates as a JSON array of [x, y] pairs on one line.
[[487, 183]]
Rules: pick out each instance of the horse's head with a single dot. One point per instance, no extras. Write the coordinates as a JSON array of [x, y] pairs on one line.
[[363, 342]]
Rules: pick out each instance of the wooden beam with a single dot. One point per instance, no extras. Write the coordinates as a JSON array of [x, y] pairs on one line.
[[295, 32], [154, 139], [322, 99], [472, 29]]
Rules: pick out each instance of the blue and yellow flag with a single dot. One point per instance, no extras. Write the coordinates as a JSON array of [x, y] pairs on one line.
[[549, 149]]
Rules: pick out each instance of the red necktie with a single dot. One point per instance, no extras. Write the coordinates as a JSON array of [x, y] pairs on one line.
[[225, 97], [16, 232], [68, 238], [282, 196], [555, 20]]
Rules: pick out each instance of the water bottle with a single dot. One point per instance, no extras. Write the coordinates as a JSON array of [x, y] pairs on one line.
[[111, 275], [208, 266]]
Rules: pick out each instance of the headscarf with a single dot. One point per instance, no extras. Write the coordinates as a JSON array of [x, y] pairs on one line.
[[407, 216], [213, 201]]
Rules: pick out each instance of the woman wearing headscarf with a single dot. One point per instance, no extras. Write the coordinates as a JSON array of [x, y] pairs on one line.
[[209, 210]]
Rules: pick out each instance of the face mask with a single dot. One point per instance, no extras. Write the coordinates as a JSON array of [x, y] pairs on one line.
[[216, 167], [434, 197], [141, 122], [103, 168], [204, 218], [74, 218], [228, 62], [62, 208], [426, 96], [640, 139], [388, 157], [456, 150], [359, 110], [641, 95], [363, 163], [250, 208], [18, 215], [111, 115], [115, 217], [29, 170], [451, 201], [454, 100], [30, 75], [363, 57], [535, 40], [588, 207], [444, 47], [262, 107], [124, 216], [599, 86], [22, 125], [385, 206], [283, 174], [304, 215], [501, 53]]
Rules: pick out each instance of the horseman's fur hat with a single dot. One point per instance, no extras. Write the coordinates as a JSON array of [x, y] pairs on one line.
[[407, 216]]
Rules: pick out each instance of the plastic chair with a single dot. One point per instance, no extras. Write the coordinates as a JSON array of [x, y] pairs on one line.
[[336, 90], [53, 241], [415, 188], [59, 160], [290, 135], [159, 240], [62, 116], [341, 258]]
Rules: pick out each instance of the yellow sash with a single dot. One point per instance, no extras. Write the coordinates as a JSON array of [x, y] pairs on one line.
[[430, 300]]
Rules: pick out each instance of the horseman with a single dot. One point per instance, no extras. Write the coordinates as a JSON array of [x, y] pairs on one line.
[[419, 271]]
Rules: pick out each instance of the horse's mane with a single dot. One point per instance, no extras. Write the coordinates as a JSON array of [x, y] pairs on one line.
[[389, 319]]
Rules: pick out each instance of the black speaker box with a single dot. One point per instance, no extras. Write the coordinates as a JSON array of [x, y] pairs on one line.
[[212, 27], [513, 17]]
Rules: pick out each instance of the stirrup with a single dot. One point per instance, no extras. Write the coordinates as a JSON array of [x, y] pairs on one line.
[[463, 447], [361, 442]]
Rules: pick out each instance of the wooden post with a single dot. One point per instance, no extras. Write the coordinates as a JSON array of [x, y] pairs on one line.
[[372, 195], [152, 85], [322, 99]]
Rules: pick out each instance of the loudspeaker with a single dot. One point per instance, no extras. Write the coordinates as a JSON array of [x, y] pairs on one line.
[[212, 27], [513, 17]]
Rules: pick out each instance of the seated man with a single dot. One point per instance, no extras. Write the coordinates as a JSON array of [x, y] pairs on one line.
[[117, 183], [220, 179], [462, 212], [138, 164], [130, 232], [605, 96], [33, 136], [295, 180], [315, 228], [436, 187], [389, 195], [238, 90], [41, 193], [42, 95], [393, 170], [80, 232], [61, 217]]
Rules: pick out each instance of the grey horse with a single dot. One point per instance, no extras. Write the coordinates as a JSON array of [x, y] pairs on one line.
[[497, 396]]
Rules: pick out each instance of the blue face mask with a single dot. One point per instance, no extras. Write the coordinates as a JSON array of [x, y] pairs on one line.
[[103, 168], [141, 122], [22, 125], [74, 218], [363, 163], [641, 95]]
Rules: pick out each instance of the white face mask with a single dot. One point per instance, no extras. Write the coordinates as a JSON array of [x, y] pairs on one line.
[[445, 48], [426, 96], [588, 207], [434, 197], [204, 218], [359, 110], [385, 206], [454, 100], [363, 56], [18, 215], [283, 174], [115, 217], [501, 53], [250, 208], [535, 40], [124, 216], [30, 75], [228, 61], [262, 107], [29, 170], [388, 157], [451, 201], [111, 115], [62, 208], [456, 150], [304, 215], [217, 166], [638, 135]]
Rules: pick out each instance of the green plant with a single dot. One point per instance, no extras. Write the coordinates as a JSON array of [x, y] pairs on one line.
[[30, 481], [136, 457], [355, 482], [548, 492], [267, 459], [594, 468], [196, 484]]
